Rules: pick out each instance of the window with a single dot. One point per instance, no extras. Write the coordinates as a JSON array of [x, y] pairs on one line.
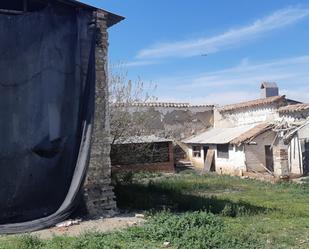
[[196, 151], [223, 151]]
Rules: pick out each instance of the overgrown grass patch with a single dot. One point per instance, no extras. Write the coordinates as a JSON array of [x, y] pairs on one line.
[[275, 213], [204, 212], [186, 193], [191, 230]]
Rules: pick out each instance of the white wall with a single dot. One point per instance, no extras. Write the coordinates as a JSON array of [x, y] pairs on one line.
[[246, 116], [234, 165], [295, 157], [197, 162]]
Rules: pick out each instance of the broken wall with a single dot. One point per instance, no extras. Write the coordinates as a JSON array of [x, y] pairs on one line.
[[177, 122], [255, 153]]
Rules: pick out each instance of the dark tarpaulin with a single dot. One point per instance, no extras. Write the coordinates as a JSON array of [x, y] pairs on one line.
[[47, 80]]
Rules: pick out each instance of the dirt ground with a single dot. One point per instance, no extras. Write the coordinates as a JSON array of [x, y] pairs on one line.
[[99, 225]]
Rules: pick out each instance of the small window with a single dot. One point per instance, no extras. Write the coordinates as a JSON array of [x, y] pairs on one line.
[[196, 151], [239, 148], [223, 151]]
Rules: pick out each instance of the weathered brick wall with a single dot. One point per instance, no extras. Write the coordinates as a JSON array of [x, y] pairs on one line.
[[165, 166], [99, 195]]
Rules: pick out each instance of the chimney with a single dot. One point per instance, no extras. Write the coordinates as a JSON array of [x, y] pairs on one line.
[[269, 89]]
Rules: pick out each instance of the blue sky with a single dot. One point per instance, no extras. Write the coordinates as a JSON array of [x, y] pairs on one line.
[[246, 42]]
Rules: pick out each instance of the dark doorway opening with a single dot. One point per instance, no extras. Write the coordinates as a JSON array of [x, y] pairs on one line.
[[205, 148], [305, 153], [269, 158]]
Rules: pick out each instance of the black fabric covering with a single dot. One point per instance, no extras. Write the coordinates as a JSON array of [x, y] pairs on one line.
[[47, 88]]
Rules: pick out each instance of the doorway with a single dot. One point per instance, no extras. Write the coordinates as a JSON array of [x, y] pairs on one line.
[[269, 158], [305, 152], [205, 148]]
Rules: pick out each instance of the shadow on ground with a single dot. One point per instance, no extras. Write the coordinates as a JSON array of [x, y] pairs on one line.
[[151, 197]]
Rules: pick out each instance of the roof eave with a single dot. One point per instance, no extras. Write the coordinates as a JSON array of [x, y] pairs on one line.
[[250, 104], [112, 18]]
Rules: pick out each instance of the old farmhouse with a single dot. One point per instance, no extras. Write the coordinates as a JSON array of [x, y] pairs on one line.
[[247, 138]]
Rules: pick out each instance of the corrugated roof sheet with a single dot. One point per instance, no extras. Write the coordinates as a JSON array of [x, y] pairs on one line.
[[142, 140], [218, 135], [252, 103], [294, 108]]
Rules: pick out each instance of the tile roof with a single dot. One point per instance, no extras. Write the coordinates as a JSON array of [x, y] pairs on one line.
[[142, 140], [294, 108], [160, 104], [253, 103], [252, 133]]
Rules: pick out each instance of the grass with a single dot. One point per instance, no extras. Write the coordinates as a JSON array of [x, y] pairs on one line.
[[196, 212]]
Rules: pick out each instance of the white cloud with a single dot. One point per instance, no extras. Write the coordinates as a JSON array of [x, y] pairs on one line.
[[138, 63], [231, 38], [241, 82]]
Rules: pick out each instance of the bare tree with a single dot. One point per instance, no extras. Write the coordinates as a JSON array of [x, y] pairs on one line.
[[126, 99]]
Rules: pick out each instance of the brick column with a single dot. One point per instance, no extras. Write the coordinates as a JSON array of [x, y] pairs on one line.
[[99, 195], [281, 159]]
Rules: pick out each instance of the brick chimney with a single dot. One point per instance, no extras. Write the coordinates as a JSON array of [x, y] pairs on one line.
[[269, 89]]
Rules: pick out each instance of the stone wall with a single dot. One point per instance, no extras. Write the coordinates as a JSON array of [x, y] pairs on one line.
[[99, 195], [177, 122]]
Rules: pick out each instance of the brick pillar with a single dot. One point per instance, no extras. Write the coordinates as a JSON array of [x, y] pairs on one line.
[[99, 195], [281, 159]]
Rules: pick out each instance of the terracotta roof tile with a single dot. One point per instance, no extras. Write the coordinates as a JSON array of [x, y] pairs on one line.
[[294, 108], [252, 133], [160, 104], [252, 103]]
